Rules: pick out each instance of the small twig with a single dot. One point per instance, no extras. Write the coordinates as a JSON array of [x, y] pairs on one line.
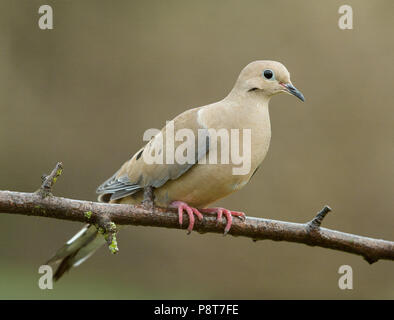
[[315, 223], [48, 181], [107, 228]]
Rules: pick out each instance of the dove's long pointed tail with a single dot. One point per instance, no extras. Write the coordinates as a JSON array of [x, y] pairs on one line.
[[79, 248]]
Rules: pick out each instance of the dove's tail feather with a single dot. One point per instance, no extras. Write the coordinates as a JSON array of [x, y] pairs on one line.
[[79, 248]]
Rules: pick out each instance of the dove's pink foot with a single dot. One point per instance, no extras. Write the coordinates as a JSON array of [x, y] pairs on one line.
[[229, 216], [190, 211]]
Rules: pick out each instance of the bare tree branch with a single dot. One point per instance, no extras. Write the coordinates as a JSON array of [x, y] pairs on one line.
[[42, 203]]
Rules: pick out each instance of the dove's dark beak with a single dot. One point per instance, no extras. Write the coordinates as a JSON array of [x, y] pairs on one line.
[[293, 90]]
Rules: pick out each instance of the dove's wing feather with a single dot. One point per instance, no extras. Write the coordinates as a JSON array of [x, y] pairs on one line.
[[137, 173]]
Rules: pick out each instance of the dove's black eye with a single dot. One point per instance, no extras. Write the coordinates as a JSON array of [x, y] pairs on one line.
[[268, 74]]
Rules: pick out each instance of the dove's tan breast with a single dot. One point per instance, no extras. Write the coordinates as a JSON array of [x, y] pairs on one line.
[[206, 183]]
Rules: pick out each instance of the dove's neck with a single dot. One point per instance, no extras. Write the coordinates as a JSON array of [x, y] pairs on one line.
[[254, 98], [242, 111], [248, 102], [246, 112]]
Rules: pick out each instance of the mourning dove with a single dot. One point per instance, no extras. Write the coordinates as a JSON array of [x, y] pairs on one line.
[[190, 186]]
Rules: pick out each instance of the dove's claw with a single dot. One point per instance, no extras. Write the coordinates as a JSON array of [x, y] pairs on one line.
[[183, 206], [189, 210], [229, 216]]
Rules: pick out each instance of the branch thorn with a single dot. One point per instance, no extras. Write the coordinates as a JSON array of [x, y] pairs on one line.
[[316, 222]]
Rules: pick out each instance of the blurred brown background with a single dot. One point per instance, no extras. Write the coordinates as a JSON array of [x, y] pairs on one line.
[[84, 93]]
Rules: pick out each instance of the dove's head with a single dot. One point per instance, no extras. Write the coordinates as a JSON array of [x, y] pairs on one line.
[[266, 78]]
